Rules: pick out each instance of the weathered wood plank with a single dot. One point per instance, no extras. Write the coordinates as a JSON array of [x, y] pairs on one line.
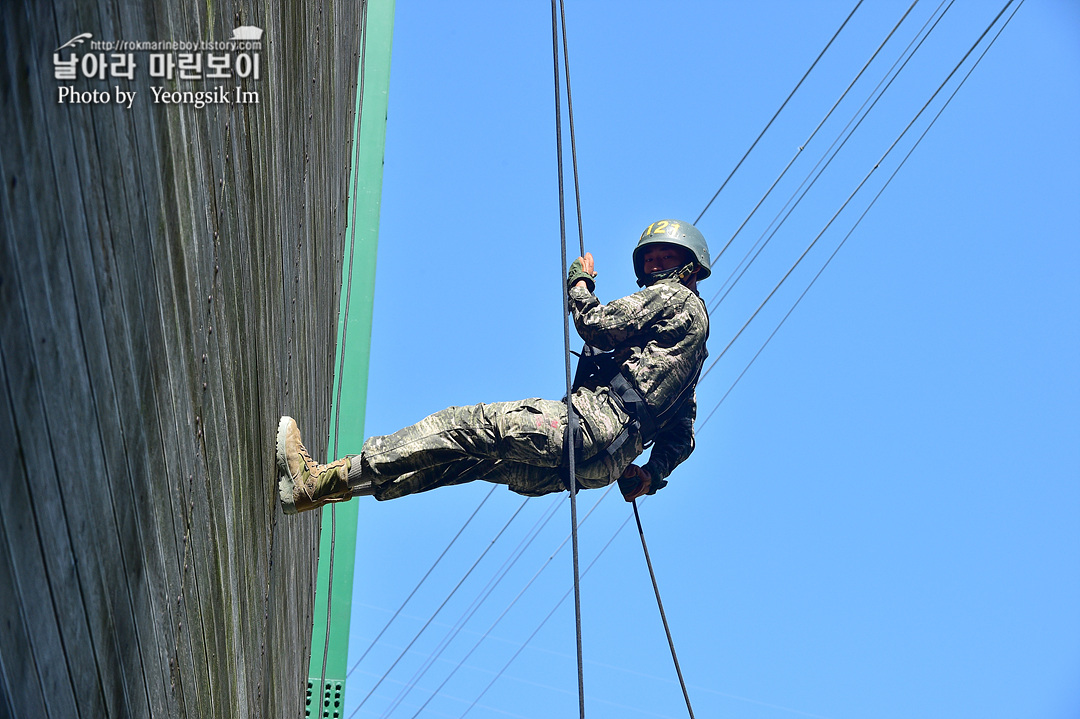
[[28, 626], [32, 349], [76, 217]]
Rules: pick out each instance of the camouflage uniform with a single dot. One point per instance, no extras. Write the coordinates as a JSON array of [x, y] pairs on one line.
[[658, 337]]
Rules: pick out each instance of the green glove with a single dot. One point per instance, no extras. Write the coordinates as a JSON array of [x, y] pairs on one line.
[[577, 272]]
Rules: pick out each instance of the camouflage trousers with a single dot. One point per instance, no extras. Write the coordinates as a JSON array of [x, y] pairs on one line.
[[519, 444]]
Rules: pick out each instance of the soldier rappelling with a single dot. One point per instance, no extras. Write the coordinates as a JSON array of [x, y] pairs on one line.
[[634, 390]]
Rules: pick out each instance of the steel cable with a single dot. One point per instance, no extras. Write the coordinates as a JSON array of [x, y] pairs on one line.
[[714, 302], [855, 191], [436, 612], [543, 622], [473, 607], [422, 580], [510, 606], [775, 115], [874, 200], [842, 139]]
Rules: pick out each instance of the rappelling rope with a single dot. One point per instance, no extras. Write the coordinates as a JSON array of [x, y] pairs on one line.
[[344, 333], [573, 137], [558, 16], [571, 417], [663, 617]]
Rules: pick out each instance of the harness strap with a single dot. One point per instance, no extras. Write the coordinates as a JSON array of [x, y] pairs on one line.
[[631, 402], [678, 273]]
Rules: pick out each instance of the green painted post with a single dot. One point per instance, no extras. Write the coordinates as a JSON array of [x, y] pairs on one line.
[[364, 197]]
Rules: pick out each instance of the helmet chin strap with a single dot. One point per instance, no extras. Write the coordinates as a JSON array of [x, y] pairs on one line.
[[678, 273]]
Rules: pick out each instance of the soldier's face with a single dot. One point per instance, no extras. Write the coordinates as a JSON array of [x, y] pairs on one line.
[[662, 256]]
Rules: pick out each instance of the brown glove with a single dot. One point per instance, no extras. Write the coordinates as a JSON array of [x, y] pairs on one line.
[[634, 482]]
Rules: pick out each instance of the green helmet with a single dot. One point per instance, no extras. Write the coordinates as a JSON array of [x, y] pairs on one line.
[[672, 232]]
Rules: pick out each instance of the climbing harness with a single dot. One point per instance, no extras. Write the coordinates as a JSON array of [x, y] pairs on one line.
[[602, 369]]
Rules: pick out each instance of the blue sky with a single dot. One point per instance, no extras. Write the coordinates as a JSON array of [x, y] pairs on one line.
[[883, 517]]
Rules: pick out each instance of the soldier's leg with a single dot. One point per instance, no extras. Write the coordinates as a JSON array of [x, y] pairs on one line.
[[527, 432], [453, 446], [611, 440], [524, 479], [457, 472], [525, 439]]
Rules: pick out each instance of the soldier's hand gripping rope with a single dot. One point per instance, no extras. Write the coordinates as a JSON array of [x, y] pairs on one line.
[[582, 271]]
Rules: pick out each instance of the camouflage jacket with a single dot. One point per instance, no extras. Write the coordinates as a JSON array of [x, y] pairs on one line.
[[658, 337]]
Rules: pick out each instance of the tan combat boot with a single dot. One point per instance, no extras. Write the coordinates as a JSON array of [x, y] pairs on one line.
[[304, 484]]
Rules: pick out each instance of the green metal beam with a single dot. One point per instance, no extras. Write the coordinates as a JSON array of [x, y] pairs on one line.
[[363, 229]]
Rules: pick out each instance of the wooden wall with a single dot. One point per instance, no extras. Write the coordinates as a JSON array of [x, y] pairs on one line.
[[169, 282]]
